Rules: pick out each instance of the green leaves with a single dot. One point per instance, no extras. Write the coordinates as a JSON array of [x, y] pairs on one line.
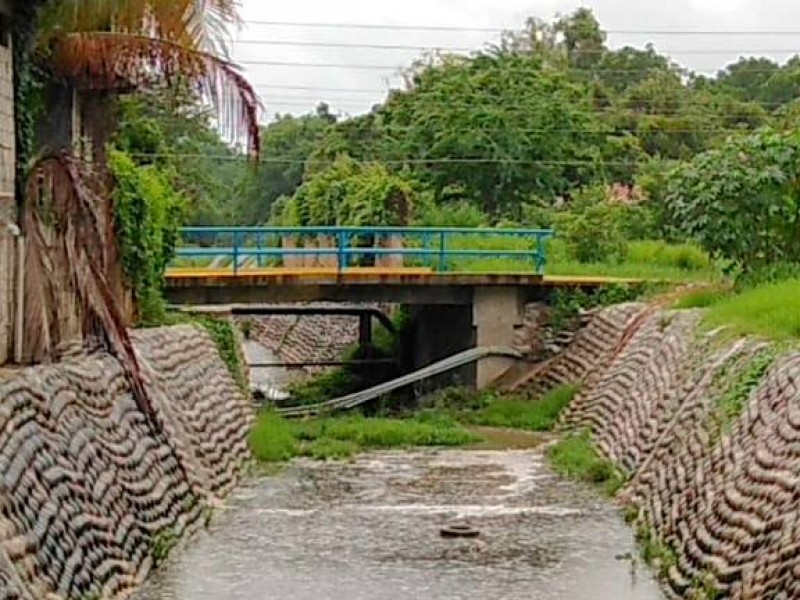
[[147, 212], [351, 193], [742, 201]]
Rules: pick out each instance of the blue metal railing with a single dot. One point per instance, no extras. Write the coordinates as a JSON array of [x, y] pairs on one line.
[[432, 247]]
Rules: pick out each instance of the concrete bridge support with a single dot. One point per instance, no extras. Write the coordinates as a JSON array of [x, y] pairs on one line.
[[440, 330], [497, 312]]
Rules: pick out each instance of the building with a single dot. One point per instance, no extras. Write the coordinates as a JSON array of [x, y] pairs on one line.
[[8, 212]]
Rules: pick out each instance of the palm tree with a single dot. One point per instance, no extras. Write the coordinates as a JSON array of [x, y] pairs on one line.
[[99, 47], [95, 49]]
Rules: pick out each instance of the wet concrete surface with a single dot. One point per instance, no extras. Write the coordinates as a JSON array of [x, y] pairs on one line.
[[370, 529]]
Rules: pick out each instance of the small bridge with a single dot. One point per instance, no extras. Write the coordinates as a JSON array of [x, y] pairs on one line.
[[464, 287]]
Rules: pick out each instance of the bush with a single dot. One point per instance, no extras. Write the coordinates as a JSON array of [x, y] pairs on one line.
[[524, 413], [272, 440], [688, 257], [594, 234], [455, 214], [576, 457], [741, 200], [147, 213]]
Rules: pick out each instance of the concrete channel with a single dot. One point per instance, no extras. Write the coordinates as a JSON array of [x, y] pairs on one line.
[[371, 528]]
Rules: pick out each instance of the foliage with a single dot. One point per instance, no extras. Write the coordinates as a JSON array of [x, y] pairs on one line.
[[147, 212], [223, 333], [331, 384], [567, 304], [524, 413], [164, 543], [455, 112], [593, 232], [274, 439], [451, 214], [742, 200], [351, 193], [575, 457], [167, 129], [655, 553], [26, 82], [702, 297], [101, 45], [771, 311], [740, 385]]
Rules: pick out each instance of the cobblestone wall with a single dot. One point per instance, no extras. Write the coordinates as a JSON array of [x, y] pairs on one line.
[[713, 451], [88, 491]]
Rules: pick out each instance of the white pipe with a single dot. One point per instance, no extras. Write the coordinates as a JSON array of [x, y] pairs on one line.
[[19, 320]]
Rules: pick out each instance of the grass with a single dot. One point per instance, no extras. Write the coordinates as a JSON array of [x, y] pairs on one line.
[[524, 413], [704, 297], [275, 439], [741, 385], [576, 457], [771, 311], [645, 260]]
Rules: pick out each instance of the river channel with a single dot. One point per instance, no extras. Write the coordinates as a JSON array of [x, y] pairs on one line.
[[370, 529]]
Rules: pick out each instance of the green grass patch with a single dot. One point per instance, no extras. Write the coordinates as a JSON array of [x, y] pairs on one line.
[[743, 382], [576, 457], [275, 439], [704, 297], [651, 260], [771, 311], [524, 413]]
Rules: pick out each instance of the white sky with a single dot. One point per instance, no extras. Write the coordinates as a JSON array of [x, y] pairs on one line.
[[703, 53]]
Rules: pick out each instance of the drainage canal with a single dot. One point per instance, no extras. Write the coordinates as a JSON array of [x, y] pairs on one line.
[[372, 528]]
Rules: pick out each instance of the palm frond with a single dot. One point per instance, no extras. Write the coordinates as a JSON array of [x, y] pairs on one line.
[[66, 270], [102, 60]]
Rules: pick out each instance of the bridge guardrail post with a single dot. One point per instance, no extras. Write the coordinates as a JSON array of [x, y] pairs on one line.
[[235, 252], [442, 248]]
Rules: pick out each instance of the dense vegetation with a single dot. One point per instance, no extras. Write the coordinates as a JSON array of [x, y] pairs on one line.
[[644, 168]]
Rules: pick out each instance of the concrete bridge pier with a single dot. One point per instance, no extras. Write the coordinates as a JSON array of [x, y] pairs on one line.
[[497, 313], [437, 331]]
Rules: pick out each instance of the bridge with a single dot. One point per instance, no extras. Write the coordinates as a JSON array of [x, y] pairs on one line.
[[463, 287]]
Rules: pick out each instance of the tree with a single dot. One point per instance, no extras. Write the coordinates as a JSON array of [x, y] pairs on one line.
[[583, 38], [742, 200], [500, 128], [287, 144], [103, 46]]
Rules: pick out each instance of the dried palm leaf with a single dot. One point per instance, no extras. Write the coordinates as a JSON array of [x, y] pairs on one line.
[[67, 267], [119, 44]]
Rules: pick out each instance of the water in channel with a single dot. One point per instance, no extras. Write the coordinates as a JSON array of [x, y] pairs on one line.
[[370, 529]]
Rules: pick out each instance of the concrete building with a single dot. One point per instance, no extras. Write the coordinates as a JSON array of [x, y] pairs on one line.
[[7, 166]]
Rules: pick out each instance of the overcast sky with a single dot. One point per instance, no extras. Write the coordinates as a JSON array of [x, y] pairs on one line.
[[283, 87]]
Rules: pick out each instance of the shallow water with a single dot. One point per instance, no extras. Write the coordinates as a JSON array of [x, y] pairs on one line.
[[371, 529]]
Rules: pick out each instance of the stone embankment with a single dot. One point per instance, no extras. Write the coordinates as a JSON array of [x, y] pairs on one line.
[[91, 494], [708, 430]]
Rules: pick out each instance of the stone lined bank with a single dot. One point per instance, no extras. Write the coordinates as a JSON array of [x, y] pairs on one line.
[[709, 432], [88, 492]]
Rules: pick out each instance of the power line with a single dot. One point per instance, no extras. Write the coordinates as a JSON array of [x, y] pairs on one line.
[[279, 63], [410, 27], [324, 89], [512, 110], [586, 52]]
